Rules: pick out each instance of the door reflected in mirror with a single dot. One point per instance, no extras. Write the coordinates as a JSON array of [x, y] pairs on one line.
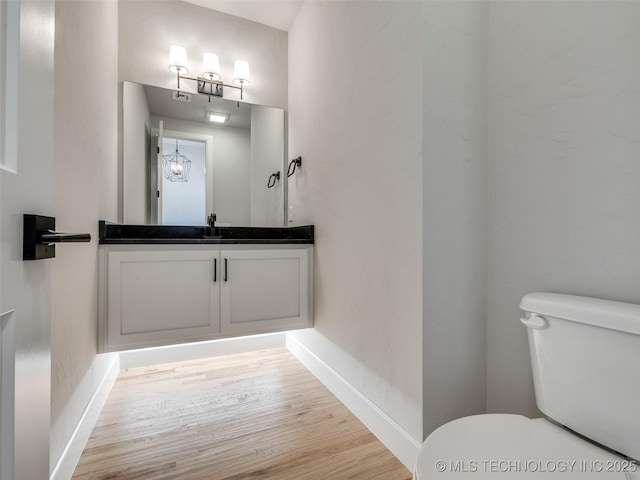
[[232, 149], [183, 182]]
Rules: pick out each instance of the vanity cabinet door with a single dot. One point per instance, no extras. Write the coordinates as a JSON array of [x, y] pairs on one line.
[[264, 290], [160, 297]]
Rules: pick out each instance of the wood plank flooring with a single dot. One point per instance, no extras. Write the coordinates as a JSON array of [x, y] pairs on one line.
[[250, 416]]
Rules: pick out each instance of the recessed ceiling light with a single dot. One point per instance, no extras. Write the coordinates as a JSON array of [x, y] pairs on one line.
[[217, 117]]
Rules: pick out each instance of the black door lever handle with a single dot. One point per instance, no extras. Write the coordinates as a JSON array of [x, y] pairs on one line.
[[39, 237], [57, 237]]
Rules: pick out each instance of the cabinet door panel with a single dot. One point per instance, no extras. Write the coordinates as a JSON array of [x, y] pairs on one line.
[[154, 297], [264, 290], [164, 295]]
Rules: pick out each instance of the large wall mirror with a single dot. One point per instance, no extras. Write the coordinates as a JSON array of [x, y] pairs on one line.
[[179, 163]]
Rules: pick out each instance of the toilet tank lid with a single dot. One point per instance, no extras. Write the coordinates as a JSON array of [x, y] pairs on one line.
[[619, 316]]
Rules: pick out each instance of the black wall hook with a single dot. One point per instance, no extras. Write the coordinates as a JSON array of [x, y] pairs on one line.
[[296, 162], [273, 179]]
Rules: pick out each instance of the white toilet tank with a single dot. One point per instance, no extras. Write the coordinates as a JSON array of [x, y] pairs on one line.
[[585, 355]]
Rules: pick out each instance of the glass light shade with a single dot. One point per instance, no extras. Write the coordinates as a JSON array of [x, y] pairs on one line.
[[241, 76], [211, 66], [178, 59]]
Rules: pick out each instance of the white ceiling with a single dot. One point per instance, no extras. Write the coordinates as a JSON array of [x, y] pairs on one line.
[[162, 105], [274, 13]]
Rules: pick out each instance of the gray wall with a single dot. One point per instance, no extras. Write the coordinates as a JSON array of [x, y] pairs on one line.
[[232, 177], [361, 185], [148, 28], [529, 183], [267, 157], [136, 128], [564, 174], [455, 40], [84, 191]]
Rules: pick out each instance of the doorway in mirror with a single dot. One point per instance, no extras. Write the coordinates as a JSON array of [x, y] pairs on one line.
[[183, 202]]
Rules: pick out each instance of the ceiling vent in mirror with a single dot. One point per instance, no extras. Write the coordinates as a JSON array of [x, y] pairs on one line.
[[181, 96]]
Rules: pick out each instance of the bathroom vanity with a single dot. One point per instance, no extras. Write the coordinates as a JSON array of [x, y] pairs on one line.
[[163, 285]]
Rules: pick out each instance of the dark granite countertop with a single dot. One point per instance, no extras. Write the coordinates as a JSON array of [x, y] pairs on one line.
[[118, 234]]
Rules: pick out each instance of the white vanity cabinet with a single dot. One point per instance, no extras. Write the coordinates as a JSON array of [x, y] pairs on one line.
[[163, 294]]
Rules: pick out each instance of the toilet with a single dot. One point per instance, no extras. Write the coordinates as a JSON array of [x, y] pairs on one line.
[[585, 357]]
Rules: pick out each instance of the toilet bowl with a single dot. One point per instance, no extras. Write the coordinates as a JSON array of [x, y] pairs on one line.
[[584, 353], [515, 447]]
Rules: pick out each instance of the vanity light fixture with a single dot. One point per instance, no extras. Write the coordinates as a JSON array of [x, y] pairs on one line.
[[210, 83], [217, 117]]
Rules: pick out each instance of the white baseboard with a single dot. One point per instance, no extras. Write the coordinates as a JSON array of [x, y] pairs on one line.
[[145, 357], [70, 456], [392, 435]]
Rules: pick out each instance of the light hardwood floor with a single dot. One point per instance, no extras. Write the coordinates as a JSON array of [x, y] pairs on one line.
[[250, 416]]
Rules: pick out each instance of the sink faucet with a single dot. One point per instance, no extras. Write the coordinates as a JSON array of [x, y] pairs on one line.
[[211, 220]]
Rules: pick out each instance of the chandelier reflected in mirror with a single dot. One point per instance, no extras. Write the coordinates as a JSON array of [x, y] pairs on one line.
[[176, 166]]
